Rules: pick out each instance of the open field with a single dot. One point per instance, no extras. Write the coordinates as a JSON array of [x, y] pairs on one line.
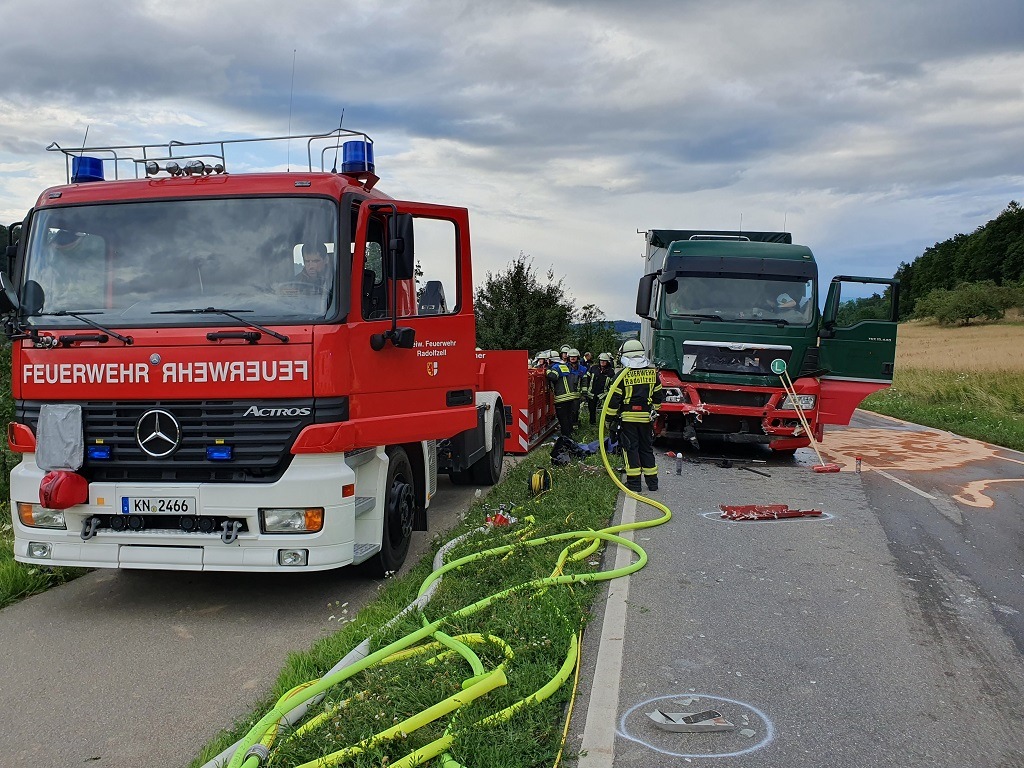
[[968, 380]]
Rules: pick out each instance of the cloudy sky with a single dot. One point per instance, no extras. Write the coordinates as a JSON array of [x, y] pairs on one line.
[[870, 129]]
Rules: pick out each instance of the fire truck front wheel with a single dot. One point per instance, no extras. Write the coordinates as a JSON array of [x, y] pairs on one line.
[[487, 469], [399, 513]]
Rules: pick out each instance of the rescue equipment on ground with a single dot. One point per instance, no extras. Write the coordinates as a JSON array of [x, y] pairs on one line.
[[540, 481]]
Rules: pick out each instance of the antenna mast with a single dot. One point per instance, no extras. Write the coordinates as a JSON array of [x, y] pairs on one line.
[[291, 93], [342, 120]]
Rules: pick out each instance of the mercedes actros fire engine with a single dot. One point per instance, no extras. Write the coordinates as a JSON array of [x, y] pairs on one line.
[[245, 371]]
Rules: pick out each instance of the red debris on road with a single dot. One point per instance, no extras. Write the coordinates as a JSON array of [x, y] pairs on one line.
[[765, 512]]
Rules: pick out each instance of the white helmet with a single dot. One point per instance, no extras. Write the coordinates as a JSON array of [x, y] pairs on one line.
[[631, 347], [573, 352], [605, 357]]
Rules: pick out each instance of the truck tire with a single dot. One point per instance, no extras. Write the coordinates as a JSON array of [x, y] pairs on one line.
[[462, 476], [399, 513], [487, 470]]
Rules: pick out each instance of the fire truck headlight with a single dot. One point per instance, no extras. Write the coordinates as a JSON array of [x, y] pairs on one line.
[[39, 549], [805, 401], [292, 556], [287, 520], [36, 516], [675, 395]]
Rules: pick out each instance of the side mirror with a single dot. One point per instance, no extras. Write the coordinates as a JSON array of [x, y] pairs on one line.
[[404, 338], [644, 294], [8, 296], [402, 247]]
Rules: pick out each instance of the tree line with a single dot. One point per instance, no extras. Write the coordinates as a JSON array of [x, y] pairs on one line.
[[991, 258]]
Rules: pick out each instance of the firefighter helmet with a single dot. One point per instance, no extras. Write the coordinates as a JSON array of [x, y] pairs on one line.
[[630, 348], [573, 352], [604, 357]]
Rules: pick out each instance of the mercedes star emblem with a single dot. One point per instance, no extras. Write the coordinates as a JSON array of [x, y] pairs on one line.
[[158, 433]]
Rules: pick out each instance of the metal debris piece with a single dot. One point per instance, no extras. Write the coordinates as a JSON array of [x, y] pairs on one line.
[[747, 732], [765, 512], [690, 722]]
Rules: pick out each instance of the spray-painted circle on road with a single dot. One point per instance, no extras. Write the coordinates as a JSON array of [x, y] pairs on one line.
[[718, 516], [769, 728]]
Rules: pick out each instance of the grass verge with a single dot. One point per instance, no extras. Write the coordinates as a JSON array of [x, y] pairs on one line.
[[981, 404], [18, 580], [536, 625]]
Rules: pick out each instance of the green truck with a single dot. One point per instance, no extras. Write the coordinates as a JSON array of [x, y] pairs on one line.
[[719, 308]]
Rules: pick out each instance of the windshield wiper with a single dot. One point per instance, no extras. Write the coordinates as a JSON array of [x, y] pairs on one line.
[[81, 316], [227, 313], [777, 320], [701, 317]]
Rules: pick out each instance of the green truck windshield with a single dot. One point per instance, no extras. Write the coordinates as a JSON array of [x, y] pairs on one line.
[[741, 299]]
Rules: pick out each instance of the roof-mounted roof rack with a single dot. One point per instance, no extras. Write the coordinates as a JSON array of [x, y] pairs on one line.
[[211, 156]]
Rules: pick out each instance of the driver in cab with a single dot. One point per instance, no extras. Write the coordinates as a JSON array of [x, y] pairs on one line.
[[314, 277]]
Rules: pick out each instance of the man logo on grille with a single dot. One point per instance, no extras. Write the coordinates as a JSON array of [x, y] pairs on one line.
[[158, 433]]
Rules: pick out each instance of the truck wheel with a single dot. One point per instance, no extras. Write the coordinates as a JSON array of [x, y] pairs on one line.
[[462, 476], [487, 470], [399, 512]]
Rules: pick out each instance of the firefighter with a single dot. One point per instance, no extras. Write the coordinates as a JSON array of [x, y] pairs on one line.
[[596, 383], [563, 353], [566, 384], [635, 401], [577, 365]]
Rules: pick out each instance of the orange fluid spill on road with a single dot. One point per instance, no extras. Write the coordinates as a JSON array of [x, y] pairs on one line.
[[917, 451], [927, 449]]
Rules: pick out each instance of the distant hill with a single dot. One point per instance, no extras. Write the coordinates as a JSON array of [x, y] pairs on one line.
[[625, 326]]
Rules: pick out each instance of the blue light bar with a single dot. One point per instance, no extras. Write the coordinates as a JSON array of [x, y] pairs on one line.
[[85, 169], [99, 452], [219, 452], [356, 156]]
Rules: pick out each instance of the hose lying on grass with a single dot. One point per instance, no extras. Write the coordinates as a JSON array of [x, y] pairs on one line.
[[281, 724]]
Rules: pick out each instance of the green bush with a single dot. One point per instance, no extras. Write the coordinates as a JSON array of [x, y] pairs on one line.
[[969, 301]]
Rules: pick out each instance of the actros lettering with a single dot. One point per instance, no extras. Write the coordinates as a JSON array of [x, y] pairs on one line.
[[255, 410]]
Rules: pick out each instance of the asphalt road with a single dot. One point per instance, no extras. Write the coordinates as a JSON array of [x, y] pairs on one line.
[[123, 669], [887, 632], [884, 633]]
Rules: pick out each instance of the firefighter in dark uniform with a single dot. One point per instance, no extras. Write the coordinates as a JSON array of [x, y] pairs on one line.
[[595, 384], [566, 384], [635, 400]]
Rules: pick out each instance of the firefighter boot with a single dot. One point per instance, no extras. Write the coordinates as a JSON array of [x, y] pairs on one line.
[[633, 484], [652, 482]]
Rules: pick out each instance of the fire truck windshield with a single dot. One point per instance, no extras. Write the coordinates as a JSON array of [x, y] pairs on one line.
[[123, 263], [789, 301]]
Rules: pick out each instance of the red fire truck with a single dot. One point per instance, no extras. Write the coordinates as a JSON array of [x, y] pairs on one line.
[[245, 371]]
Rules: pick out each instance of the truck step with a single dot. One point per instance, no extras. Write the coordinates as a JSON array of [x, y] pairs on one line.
[[364, 504], [360, 456], [362, 551]]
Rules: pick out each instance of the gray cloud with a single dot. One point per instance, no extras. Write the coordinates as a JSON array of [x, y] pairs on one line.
[[582, 119]]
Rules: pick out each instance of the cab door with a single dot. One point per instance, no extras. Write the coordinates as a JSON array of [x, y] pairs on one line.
[[857, 346], [411, 325]]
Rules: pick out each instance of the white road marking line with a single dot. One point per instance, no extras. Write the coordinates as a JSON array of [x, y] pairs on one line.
[[906, 485], [602, 711]]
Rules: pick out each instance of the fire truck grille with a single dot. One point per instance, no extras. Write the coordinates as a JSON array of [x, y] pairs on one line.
[[259, 433]]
